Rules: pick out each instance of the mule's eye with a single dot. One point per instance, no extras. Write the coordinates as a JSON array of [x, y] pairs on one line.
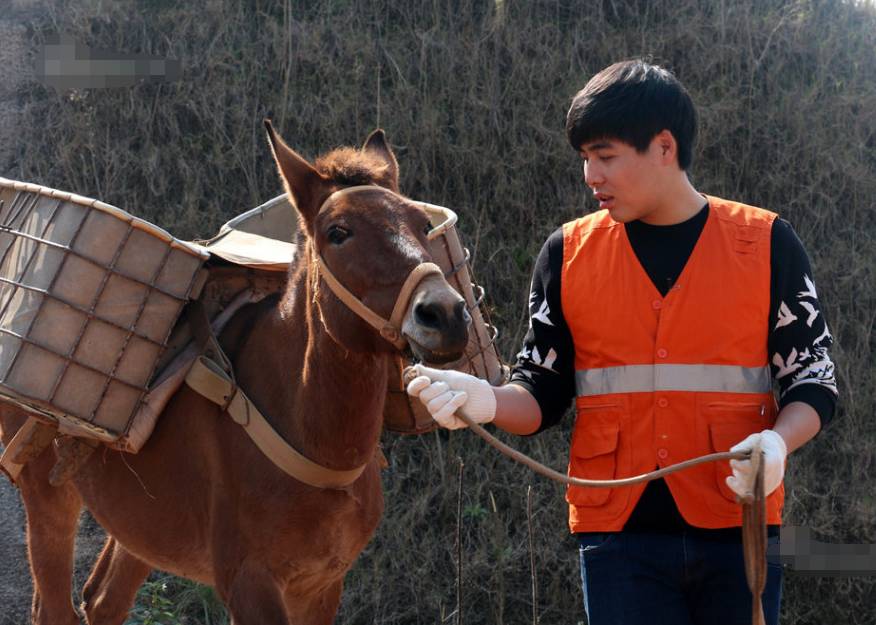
[[337, 235], [427, 228]]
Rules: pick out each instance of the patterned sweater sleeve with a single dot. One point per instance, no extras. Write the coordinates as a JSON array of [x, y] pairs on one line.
[[545, 365], [799, 338]]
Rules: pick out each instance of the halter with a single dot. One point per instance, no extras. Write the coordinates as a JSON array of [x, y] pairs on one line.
[[390, 329]]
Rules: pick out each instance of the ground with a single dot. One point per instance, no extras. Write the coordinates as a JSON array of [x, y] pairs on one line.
[[14, 575]]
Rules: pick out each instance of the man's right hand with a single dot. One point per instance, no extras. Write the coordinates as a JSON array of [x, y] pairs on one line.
[[443, 392]]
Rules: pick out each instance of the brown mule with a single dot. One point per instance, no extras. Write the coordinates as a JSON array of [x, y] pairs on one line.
[[200, 500]]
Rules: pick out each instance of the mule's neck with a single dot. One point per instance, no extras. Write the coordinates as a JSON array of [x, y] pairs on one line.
[[326, 401]]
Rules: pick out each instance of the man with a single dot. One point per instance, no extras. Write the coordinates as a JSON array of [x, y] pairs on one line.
[[665, 315]]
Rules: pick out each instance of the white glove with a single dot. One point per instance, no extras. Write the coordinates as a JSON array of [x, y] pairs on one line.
[[443, 392], [774, 453]]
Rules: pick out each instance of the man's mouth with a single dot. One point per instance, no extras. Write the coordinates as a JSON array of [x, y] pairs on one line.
[[605, 200]]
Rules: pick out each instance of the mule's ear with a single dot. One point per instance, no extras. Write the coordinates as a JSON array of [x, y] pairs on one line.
[[304, 185], [377, 145]]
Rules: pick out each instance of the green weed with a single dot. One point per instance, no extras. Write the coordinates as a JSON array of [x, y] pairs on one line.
[[169, 600]]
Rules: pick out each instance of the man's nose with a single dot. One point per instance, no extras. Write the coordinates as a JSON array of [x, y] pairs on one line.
[[592, 174]]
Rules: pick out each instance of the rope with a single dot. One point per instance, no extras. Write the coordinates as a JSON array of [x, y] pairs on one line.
[[754, 537], [576, 481]]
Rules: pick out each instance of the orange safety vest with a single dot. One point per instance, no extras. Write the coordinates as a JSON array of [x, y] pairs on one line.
[[661, 379]]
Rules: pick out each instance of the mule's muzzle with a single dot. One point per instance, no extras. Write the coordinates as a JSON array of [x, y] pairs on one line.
[[437, 324]]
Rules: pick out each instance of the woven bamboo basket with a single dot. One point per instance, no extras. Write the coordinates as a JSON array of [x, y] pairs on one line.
[[88, 297]]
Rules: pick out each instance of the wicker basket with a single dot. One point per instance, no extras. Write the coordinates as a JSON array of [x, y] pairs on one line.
[[88, 297]]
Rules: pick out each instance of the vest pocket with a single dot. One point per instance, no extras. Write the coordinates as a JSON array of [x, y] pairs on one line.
[[723, 437], [593, 457]]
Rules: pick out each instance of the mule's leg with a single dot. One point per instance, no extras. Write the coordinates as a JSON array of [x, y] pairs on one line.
[[52, 520], [254, 599], [98, 571], [112, 586], [319, 610]]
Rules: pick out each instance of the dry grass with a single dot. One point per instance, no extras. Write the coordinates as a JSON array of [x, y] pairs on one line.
[[473, 96]]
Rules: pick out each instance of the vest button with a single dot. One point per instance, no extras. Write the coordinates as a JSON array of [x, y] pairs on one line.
[[663, 453], [662, 353], [663, 402], [656, 304]]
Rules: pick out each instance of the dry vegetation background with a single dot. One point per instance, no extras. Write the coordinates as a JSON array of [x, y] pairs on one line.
[[473, 96]]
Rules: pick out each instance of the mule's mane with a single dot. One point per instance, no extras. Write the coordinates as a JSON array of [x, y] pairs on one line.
[[349, 166]]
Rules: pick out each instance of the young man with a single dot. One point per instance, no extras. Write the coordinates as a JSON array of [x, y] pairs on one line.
[[665, 315]]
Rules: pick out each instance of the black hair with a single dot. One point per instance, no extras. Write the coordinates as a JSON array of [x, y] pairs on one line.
[[633, 101]]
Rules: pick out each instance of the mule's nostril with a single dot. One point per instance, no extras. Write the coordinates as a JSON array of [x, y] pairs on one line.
[[460, 312], [428, 314]]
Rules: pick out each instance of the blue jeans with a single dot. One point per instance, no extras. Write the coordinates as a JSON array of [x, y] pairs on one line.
[[671, 579]]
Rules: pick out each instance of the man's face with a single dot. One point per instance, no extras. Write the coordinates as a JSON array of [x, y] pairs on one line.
[[624, 181]]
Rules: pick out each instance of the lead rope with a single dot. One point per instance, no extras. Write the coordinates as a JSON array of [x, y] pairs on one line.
[[754, 539], [753, 511], [753, 506]]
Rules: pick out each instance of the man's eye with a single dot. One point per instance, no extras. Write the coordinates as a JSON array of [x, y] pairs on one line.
[[337, 235]]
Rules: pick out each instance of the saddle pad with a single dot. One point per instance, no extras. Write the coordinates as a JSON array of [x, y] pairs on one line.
[[260, 238]]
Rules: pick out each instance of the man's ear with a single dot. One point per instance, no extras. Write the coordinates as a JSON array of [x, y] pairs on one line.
[[304, 185], [377, 145], [667, 146]]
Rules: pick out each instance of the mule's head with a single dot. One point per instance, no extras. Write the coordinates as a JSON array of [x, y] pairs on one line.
[[370, 240]]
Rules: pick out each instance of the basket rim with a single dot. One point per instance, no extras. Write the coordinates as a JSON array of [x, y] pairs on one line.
[[442, 217], [118, 213]]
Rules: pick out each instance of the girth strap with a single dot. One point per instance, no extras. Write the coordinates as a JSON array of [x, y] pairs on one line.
[[210, 380]]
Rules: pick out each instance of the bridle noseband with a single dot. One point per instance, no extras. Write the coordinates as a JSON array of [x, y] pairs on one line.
[[390, 329]]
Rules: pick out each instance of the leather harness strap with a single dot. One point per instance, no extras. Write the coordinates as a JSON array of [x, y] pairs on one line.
[[28, 443], [389, 329], [210, 380]]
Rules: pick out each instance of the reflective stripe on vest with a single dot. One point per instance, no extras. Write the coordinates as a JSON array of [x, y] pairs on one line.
[[651, 378]]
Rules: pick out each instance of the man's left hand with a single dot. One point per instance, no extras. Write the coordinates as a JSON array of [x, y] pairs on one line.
[[774, 453]]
